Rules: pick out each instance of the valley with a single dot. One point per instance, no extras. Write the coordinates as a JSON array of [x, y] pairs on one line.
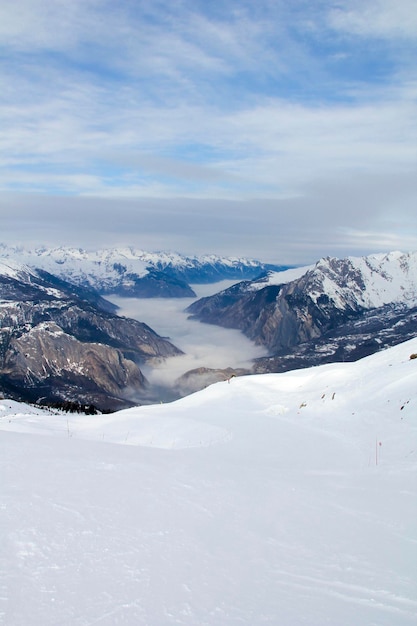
[[203, 345]]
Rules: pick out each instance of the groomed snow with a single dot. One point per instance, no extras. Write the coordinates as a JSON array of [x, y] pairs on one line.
[[283, 499]]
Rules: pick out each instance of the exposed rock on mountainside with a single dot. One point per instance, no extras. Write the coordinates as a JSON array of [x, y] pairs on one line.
[[135, 273], [55, 345], [375, 330], [201, 377], [333, 299], [53, 365]]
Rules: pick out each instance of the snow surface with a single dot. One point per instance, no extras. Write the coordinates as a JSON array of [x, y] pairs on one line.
[[283, 499], [279, 278]]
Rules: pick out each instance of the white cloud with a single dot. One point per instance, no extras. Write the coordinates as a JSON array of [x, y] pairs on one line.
[[266, 150], [376, 18], [32, 25]]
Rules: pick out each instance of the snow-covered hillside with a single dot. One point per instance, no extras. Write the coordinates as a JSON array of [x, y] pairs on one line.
[[283, 499]]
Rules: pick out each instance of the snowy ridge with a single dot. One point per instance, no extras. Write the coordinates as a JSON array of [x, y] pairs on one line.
[[25, 275], [29, 277], [17, 271], [276, 499]]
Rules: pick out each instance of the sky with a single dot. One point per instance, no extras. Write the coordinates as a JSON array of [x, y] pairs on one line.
[[275, 130]]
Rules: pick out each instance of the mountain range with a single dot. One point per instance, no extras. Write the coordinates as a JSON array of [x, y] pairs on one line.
[[134, 273]]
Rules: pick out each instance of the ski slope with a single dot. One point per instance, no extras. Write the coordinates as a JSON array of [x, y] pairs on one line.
[[283, 499]]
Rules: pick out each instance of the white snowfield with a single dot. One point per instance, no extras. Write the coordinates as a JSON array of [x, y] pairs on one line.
[[284, 499]]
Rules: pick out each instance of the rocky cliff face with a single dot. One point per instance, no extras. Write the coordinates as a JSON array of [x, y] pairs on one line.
[[277, 316], [370, 332], [56, 345], [46, 360], [333, 293]]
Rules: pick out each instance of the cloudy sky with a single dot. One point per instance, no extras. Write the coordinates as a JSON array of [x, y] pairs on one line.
[[279, 130]]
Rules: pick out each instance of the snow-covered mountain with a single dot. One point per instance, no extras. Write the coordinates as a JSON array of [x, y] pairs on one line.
[[305, 305], [364, 282], [131, 272], [277, 499], [59, 343]]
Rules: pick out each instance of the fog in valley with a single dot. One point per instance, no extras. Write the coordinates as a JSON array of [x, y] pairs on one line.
[[204, 345]]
